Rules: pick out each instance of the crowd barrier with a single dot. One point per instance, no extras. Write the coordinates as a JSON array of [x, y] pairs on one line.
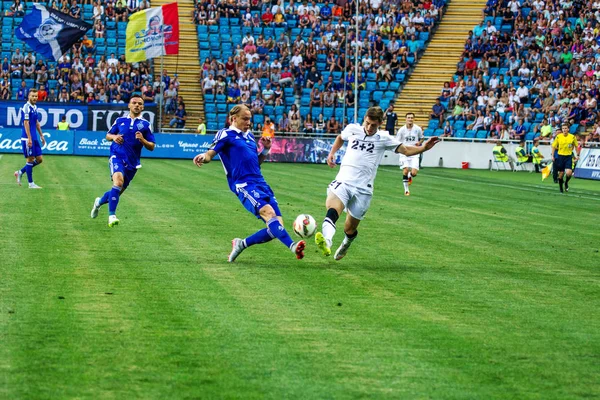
[[447, 154], [168, 145]]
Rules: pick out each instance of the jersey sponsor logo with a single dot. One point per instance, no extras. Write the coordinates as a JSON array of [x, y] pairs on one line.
[[363, 146]]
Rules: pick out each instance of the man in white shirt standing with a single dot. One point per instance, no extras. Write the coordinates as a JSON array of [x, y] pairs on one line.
[[410, 134], [352, 188]]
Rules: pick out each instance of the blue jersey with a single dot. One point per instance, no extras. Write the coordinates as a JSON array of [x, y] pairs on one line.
[[29, 113], [131, 149], [239, 154]]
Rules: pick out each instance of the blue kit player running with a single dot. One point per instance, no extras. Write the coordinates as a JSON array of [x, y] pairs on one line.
[[129, 135], [238, 151], [31, 146]]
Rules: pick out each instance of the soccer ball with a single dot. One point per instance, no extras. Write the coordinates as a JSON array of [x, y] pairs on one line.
[[305, 226]]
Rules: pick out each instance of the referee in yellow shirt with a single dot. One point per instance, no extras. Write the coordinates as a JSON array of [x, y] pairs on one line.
[[564, 143]]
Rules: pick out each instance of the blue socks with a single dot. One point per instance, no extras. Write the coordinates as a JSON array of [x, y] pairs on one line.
[[28, 168], [105, 197], [262, 236], [113, 199], [278, 231]]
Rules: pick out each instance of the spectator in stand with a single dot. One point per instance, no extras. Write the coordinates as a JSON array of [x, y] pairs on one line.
[[180, 117], [132, 6], [308, 124], [208, 84], [258, 104], [294, 117], [283, 123], [121, 11], [23, 92], [42, 93], [438, 111]]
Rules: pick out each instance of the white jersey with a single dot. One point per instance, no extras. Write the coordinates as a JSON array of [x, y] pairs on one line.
[[363, 155], [410, 136]]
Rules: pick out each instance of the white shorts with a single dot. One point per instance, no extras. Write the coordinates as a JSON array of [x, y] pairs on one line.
[[355, 200], [409, 162]]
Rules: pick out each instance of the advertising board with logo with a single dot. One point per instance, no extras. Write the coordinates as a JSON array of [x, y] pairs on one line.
[[97, 117], [588, 166]]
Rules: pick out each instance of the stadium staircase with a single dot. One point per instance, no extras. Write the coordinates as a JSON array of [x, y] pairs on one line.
[[186, 64], [438, 63]]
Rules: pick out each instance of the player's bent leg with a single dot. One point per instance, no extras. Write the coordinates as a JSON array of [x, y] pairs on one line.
[[95, 207], [275, 227], [113, 200], [324, 239], [351, 231]]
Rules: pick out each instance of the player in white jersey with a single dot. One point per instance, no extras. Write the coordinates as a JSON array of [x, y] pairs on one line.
[[352, 188], [412, 135]]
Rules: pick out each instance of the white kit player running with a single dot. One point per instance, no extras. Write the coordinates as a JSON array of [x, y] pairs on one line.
[[412, 135], [352, 188]]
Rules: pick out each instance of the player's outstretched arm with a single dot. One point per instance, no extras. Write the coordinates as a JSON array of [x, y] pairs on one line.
[[414, 150], [204, 158], [337, 144]]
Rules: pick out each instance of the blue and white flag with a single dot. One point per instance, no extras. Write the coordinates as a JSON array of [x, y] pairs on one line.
[[49, 32]]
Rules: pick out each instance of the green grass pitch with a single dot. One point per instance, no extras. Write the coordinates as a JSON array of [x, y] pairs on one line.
[[481, 285]]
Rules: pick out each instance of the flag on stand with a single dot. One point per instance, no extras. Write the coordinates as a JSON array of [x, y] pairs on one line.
[[152, 33], [50, 32]]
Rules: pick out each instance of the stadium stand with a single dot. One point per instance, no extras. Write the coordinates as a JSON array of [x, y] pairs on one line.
[[94, 71], [296, 54], [525, 69]]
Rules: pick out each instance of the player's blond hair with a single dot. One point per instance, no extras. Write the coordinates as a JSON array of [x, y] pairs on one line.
[[237, 109], [375, 113]]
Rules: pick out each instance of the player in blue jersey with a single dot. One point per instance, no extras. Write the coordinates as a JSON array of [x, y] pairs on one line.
[[129, 135], [238, 151], [31, 146]]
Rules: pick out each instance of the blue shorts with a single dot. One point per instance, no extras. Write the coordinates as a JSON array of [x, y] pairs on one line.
[[117, 165], [34, 151], [563, 163], [256, 196]]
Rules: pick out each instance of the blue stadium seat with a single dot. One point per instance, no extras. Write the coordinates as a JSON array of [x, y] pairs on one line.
[[221, 108], [428, 132], [377, 96], [221, 98], [212, 126], [460, 133], [304, 111], [382, 85], [210, 108], [202, 29], [258, 119], [471, 134], [481, 134], [433, 124]]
